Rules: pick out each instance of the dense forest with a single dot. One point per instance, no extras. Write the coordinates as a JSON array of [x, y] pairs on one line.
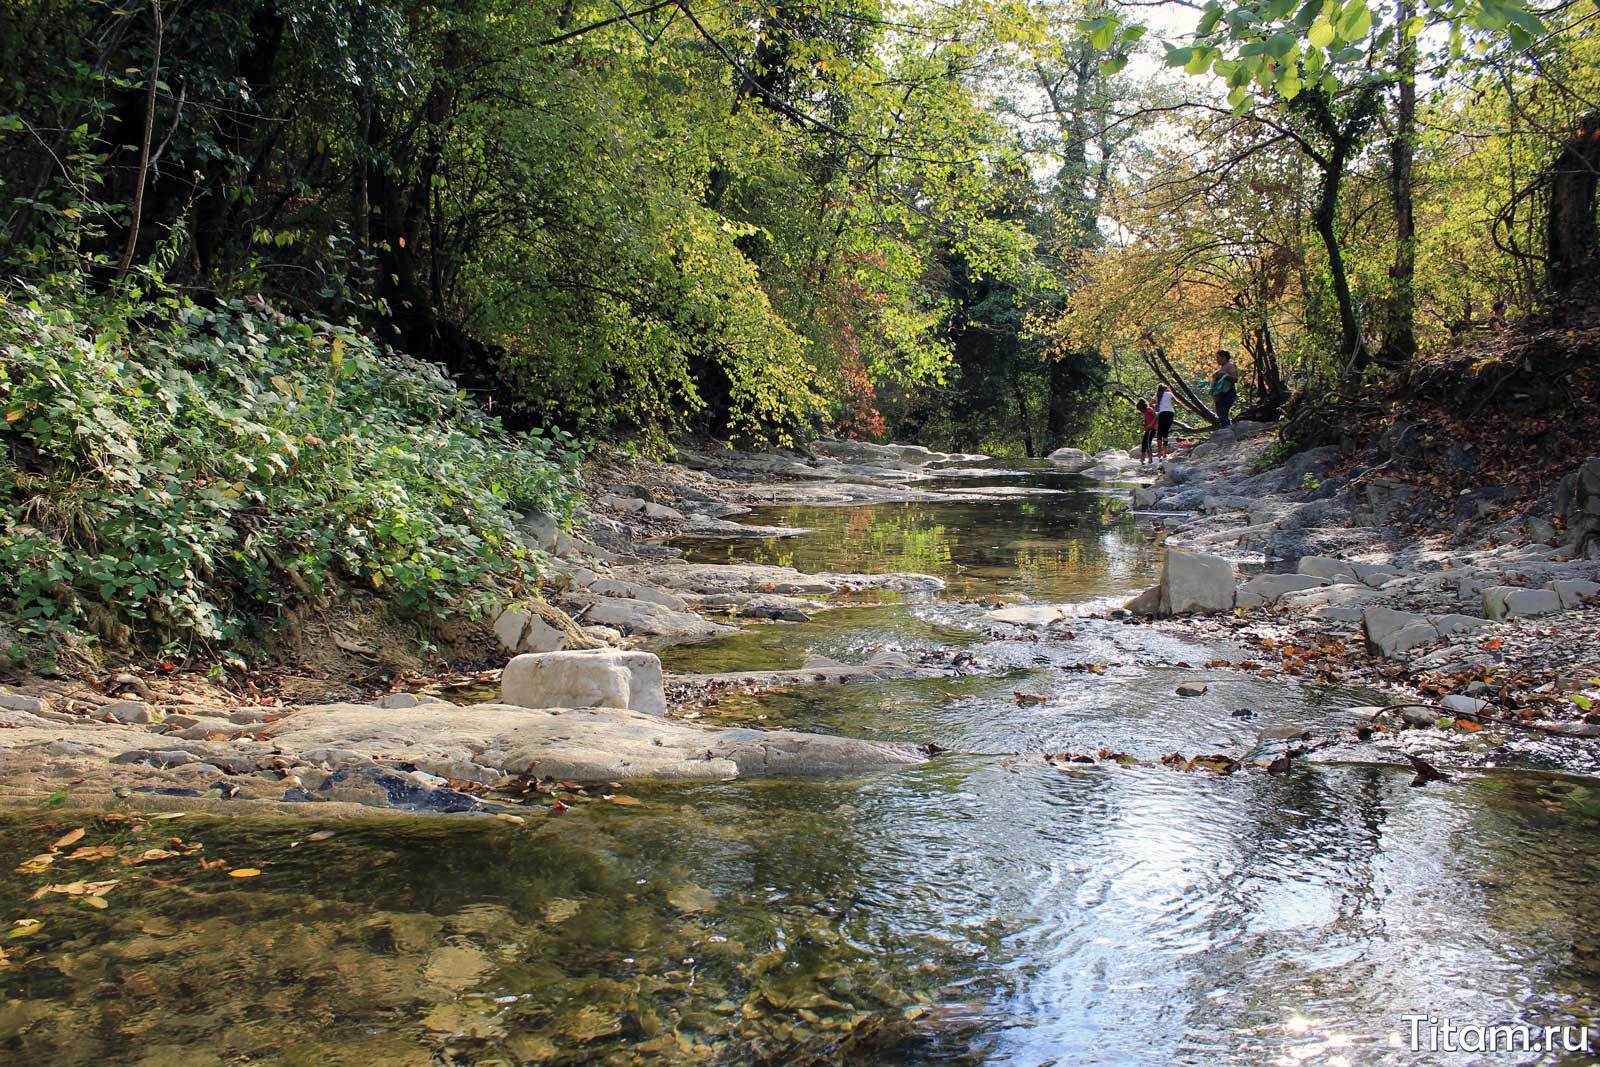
[[251, 246]]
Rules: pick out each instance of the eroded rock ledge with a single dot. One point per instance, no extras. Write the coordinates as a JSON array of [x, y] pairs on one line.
[[420, 754]]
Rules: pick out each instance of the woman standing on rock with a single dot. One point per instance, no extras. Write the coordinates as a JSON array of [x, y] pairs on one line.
[[1223, 385], [1165, 413]]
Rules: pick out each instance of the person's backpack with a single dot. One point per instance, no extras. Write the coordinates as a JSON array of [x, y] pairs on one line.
[[1222, 386]]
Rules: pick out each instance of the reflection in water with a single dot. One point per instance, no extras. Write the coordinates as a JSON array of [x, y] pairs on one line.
[[1070, 545], [978, 909]]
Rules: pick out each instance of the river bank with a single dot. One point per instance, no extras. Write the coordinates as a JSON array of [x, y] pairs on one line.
[[172, 738], [1486, 625]]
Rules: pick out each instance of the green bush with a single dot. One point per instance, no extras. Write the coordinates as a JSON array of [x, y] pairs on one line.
[[178, 474]]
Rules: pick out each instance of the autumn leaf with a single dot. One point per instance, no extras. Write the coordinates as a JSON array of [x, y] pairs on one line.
[[71, 837], [244, 872]]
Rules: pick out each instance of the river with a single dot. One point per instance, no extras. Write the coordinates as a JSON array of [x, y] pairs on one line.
[[985, 908]]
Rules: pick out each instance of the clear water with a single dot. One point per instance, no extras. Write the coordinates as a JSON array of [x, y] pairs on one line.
[[984, 908]]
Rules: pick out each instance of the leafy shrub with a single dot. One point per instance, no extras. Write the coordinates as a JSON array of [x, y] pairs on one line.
[[185, 474]]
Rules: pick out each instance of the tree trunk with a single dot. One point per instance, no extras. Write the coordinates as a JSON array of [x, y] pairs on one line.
[[1400, 335], [1350, 343], [1022, 415], [1571, 236]]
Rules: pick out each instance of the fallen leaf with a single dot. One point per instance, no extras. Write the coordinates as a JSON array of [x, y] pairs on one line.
[[152, 854], [167, 816], [320, 835], [96, 902], [94, 852], [71, 837], [626, 802], [37, 864], [244, 872]]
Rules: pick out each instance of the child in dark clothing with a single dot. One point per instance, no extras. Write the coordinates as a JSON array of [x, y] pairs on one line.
[[1146, 444]]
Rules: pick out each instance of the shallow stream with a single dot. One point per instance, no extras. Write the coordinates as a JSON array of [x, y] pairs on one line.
[[985, 908]]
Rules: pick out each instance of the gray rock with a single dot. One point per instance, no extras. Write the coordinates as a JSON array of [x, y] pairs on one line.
[[398, 700], [642, 617], [1420, 717], [131, 712], [1389, 633], [1334, 570], [1146, 603], [627, 505], [1464, 705], [592, 678], [249, 716], [19, 702], [662, 513], [1540, 531], [519, 630], [636, 591], [1072, 460], [1174, 474], [1245, 429], [1027, 615], [1374, 574], [539, 531], [172, 757], [588, 745], [1194, 582], [1191, 689], [1270, 587], [1338, 614], [1448, 625], [1573, 591], [1505, 601]]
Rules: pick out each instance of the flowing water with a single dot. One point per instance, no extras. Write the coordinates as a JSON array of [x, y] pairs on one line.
[[984, 908]]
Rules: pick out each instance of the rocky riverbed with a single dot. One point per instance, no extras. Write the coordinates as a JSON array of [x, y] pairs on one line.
[[1298, 563], [1493, 620]]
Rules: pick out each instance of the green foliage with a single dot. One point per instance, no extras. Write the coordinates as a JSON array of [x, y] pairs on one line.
[[188, 473], [1288, 46]]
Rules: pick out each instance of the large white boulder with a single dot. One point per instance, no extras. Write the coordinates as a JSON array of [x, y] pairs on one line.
[[590, 678], [1507, 601], [1196, 582]]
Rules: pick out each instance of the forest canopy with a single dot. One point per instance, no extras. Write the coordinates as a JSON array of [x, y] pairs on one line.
[[986, 224]]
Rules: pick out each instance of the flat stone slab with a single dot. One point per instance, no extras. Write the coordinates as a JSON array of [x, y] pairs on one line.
[[1027, 615], [583, 745]]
